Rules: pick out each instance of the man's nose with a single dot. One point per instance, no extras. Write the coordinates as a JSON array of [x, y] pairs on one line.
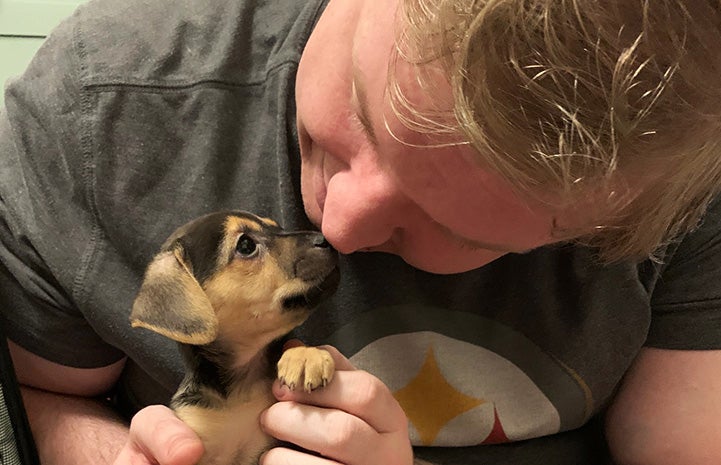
[[363, 210]]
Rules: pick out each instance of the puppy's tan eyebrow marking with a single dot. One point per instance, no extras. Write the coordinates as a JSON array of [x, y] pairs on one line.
[[269, 222], [237, 223], [233, 225]]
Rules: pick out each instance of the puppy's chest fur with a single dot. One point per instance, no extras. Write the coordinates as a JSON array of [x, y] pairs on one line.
[[223, 407], [231, 435]]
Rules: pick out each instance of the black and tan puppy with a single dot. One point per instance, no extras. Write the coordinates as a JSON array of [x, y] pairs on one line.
[[227, 286]]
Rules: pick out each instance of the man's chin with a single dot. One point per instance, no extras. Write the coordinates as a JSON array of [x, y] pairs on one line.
[[447, 266]]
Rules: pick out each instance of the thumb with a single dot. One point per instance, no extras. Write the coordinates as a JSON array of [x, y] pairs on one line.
[[163, 438]]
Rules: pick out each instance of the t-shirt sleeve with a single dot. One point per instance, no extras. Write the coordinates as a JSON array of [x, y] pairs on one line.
[[686, 301], [47, 225]]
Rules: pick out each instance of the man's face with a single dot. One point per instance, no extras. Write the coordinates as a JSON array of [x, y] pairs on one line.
[[369, 192]]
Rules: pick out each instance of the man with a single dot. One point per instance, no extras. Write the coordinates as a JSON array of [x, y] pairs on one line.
[[471, 149]]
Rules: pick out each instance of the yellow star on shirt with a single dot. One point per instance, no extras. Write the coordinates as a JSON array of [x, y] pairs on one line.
[[430, 402]]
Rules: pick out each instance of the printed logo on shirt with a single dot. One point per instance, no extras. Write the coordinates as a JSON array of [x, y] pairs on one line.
[[463, 379]]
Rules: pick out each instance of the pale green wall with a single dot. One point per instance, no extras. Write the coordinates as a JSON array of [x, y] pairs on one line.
[[15, 53], [23, 25]]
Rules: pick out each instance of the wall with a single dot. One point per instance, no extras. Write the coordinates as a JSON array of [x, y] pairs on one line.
[[23, 26]]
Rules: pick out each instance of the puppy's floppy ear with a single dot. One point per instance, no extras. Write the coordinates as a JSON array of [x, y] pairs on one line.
[[172, 303]]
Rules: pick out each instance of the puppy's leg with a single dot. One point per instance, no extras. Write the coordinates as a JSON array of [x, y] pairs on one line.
[[309, 367]]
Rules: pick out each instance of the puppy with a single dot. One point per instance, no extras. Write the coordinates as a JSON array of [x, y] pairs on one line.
[[227, 286]]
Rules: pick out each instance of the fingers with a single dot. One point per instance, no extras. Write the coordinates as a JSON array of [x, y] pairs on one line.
[[283, 456], [354, 420], [335, 435], [157, 436], [332, 433], [355, 392]]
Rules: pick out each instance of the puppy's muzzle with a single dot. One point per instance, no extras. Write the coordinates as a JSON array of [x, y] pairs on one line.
[[316, 264], [317, 261]]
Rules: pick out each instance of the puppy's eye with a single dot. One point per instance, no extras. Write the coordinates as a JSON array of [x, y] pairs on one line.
[[246, 246]]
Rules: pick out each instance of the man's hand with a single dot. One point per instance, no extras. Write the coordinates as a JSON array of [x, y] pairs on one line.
[[355, 420], [157, 436]]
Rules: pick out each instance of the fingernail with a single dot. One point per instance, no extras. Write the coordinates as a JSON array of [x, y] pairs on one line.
[[282, 392], [290, 343]]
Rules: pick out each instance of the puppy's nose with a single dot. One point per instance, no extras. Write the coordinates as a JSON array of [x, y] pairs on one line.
[[319, 241]]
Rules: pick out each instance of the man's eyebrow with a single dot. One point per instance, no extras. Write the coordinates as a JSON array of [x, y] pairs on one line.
[[363, 106]]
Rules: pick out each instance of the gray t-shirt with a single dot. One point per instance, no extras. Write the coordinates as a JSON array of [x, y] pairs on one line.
[[137, 116]]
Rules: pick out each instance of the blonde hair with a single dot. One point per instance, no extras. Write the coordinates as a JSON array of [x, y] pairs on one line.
[[575, 96]]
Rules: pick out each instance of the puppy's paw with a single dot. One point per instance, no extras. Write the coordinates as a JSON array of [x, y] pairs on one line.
[[309, 367]]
